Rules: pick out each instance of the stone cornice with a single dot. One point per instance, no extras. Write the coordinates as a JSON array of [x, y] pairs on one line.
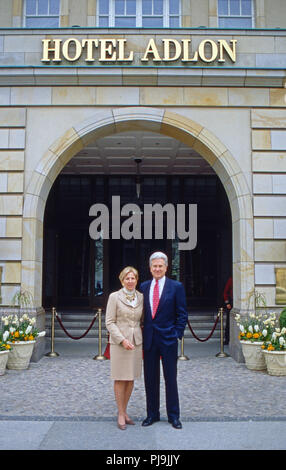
[[141, 76]]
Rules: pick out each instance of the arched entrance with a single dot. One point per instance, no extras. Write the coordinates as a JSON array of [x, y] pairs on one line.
[[79, 272], [162, 121]]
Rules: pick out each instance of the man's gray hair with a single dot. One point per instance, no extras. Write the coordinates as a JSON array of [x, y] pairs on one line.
[[158, 255]]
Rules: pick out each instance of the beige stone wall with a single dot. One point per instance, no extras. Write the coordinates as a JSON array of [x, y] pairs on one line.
[[268, 13], [269, 201], [249, 123], [12, 145], [254, 51], [275, 13]]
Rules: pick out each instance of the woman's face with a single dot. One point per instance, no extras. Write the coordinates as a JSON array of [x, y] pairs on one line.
[[130, 281]]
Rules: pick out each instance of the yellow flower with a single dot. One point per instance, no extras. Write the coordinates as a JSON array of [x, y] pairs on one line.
[[7, 346], [249, 335], [256, 335], [31, 337], [270, 348], [16, 334]]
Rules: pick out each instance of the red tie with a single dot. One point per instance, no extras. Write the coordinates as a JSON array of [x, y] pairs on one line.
[[155, 298]]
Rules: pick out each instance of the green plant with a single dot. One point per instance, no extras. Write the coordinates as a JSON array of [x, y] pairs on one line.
[[282, 319], [23, 299], [4, 346], [277, 341], [258, 301], [19, 328], [256, 326]]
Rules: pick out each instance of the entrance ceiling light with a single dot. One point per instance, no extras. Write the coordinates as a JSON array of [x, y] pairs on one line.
[[138, 161]]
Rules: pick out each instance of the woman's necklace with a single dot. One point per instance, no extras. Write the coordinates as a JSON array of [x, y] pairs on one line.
[[129, 294]]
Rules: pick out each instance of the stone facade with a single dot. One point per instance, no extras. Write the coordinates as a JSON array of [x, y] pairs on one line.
[[233, 114]]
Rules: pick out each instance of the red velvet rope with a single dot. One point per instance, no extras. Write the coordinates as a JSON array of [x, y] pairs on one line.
[[211, 333], [76, 337]]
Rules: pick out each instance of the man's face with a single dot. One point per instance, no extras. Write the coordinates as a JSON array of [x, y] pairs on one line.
[[158, 268]]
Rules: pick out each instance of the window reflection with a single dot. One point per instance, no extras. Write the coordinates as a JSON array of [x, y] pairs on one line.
[[143, 13], [98, 268]]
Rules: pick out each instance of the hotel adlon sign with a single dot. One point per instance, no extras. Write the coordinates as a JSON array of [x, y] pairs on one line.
[[110, 51]]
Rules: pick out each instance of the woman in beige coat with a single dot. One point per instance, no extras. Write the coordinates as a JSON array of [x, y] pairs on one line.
[[123, 320]]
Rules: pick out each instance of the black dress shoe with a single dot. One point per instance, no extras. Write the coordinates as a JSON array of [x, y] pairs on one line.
[[176, 423], [148, 421]]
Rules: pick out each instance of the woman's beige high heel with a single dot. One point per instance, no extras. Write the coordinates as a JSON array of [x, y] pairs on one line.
[[121, 426], [129, 421]]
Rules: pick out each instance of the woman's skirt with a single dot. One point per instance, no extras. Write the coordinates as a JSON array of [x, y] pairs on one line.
[[126, 364]]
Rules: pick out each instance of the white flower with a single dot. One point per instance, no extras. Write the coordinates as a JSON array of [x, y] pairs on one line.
[[241, 327], [5, 335], [281, 341], [28, 329], [256, 327], [42, 333], [264, 332], [11, 329], [250, 329]]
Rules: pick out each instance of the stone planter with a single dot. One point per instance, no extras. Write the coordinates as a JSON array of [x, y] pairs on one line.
[[253, 355], [275, 362], [3, 361], [20, 355]]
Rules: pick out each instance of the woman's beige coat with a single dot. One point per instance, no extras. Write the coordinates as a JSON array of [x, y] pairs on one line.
[[122, 320]]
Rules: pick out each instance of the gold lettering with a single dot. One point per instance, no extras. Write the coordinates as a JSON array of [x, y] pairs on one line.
[[115, 50], [56, 50], [186, 46], [106, 46], [223, 45], [214, 50], [78, 49], [151, 49], [178, 49], [121, 47], [90, 43]]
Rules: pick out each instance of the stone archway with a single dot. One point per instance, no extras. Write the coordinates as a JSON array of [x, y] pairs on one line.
[[109, 121]]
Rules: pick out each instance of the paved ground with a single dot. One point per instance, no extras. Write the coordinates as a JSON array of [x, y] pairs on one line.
[[67, 403]]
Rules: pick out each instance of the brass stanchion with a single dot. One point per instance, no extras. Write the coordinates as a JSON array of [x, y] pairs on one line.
[[221, 353], [99, 357], [182, 357], [52, 353]]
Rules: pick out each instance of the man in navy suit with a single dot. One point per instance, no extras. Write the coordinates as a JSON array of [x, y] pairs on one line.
[[165, 318]]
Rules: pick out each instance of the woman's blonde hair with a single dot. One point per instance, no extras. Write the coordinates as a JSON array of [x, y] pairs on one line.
[[126, 271]]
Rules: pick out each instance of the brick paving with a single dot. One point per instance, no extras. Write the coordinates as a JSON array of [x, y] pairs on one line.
[[75, 386]]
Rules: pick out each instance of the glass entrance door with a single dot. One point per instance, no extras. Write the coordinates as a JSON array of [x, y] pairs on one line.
[[80, 272]]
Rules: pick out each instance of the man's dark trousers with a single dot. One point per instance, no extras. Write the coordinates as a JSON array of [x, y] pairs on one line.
[[169, 355]]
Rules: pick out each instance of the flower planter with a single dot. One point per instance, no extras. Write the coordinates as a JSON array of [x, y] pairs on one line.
[[20, 355], [3, 361], [275, 362], [253, 355]]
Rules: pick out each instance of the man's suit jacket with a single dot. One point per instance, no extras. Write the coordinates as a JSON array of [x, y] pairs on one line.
[[171, 316]]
